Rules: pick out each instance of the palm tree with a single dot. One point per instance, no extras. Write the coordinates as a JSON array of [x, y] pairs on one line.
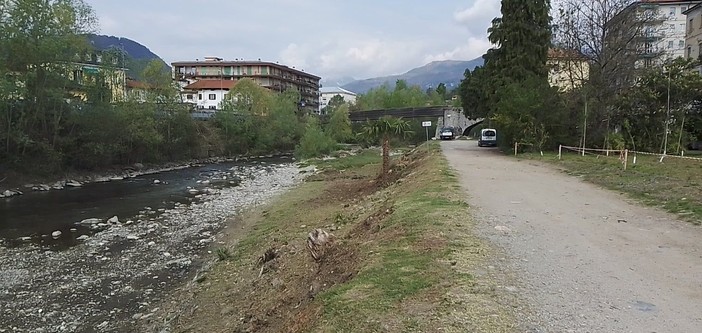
[[384, 129]]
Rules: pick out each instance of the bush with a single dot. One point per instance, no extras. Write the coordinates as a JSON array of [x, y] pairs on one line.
[[314, 142]]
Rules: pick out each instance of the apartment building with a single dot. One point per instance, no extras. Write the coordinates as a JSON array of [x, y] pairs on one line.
[[213, 76], [327, 93], [664, 35], [693, 38]]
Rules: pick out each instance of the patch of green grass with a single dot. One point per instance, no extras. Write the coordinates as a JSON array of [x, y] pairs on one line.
[[672, 185], [398, 275]]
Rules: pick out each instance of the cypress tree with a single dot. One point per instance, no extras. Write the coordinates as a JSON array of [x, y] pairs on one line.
[[523, 37]]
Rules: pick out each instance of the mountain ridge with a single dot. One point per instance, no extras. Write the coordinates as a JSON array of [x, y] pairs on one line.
[[138, 55], [448, 72]]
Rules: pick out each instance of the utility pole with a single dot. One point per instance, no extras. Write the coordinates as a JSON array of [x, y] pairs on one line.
[[667, 119]]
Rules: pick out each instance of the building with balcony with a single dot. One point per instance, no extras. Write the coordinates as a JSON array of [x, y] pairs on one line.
[[327, 93], [693, 37], [665, 34], [214, 72]]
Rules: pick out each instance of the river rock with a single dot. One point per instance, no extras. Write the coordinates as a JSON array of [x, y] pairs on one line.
[[193, 191], [90, 221], [156, 181], [82, 237], [116, 178], [25, 238], [132, 237], [113, 220], [56, 234], [73, 183]]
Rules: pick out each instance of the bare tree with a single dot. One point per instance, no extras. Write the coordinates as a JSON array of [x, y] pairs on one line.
[[618, 37]]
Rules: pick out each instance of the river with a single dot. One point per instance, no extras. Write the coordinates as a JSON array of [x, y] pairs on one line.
[[110, 276], [37, 215]]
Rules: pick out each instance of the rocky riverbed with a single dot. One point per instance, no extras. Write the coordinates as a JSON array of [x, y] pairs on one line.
[[114, 278]]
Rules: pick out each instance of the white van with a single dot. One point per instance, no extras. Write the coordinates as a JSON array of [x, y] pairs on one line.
[[488, 137]]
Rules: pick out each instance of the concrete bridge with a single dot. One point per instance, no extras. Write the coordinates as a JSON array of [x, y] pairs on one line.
[[440, 116]]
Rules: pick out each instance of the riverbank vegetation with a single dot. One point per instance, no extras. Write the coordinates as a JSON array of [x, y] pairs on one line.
[[403, 258]]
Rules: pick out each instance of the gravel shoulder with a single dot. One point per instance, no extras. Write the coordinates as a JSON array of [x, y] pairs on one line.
[[587, 259]]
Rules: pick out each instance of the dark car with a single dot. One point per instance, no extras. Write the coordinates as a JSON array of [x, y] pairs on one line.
[[446, 133]]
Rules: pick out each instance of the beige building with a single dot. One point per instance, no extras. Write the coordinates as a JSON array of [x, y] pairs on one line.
[[273, 76], [693, 37], [568, 69], [97, 69]]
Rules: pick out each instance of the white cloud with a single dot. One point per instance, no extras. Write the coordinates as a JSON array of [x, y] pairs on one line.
[[478, 17], [475, 48], [326, 38]]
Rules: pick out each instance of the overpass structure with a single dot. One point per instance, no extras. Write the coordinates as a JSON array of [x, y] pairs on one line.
[[441, 116], [415, 112]]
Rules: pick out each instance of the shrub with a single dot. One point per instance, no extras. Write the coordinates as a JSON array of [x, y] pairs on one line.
[[314, 142]]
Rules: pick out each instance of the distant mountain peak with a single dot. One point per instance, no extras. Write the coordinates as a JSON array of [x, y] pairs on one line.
[[449, 72], [138, 55]]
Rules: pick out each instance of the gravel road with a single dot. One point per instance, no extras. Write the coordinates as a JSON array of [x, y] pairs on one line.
[[586, 259]]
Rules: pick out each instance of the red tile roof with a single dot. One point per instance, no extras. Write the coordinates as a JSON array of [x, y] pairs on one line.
[[211, 84], [136, 84]]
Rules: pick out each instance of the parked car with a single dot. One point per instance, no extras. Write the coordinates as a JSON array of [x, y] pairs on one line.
[[446, 133], [488, 137]]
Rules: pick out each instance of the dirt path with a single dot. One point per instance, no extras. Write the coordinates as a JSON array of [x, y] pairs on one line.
[[587, 260]]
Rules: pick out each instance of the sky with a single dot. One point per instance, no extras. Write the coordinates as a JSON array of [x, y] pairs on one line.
[[329, 38]]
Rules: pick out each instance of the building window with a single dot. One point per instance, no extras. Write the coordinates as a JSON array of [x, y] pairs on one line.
[[692, 21], [689, 52], [212, 107], [683, 8], [681, 44], [199, 97], [672, 10], [189, 97], [670, 44], [213, 97]]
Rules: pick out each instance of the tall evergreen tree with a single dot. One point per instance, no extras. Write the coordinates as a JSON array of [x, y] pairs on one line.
[[523, 37]]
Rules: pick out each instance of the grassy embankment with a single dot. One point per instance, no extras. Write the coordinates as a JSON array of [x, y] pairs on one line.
[[674, 185], [404, 259]]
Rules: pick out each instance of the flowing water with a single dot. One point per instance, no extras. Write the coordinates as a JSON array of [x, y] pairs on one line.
[[33, 217]]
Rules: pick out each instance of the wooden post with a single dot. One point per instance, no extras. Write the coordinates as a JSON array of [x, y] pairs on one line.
[[560, 147], [516, 146], [626, 158]]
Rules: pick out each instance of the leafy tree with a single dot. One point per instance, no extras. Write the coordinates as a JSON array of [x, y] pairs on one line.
[[339, 126], [531, 112], [643, 109], [38, 38], [314, 142], [441, 90], [335, 102], [402, 96], [384, 129]]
